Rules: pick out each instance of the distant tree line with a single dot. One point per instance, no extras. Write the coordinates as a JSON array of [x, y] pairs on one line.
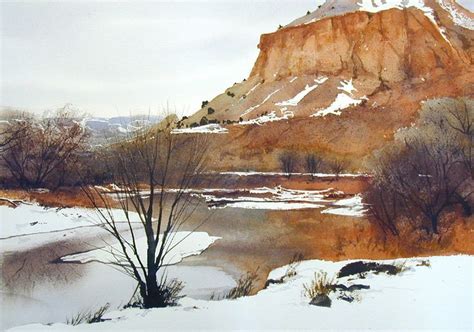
[[311, 163]]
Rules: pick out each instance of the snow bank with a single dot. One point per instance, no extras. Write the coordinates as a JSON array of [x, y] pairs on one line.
[[296, 99], [423, 298], [287, 199], [181, 245], [212, 128], [348, 207]]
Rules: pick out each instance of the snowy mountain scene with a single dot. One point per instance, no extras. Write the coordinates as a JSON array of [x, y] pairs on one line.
[[237, 165]]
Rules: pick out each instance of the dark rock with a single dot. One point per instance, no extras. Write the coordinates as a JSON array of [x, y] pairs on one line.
[[346, 298], [351, 288], [273, 281], [340, 287], [363, 267], [321, 300], [357, 287]]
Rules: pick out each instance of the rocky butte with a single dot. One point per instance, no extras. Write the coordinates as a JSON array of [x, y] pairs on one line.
[[340, 81]]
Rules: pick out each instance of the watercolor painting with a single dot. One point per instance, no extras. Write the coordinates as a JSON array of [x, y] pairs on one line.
[[237, 165]]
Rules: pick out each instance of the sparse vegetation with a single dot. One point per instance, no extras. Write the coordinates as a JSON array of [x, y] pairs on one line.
[[337, 166], [210, 111], [427, 171], [313, 164], [204, 121], [88, 317], [320, 285], [287, 162], [45, 151], [290, 271], [245, 286]]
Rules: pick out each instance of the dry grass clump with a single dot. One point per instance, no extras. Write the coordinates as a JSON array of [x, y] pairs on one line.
[[292, 265], [320, 285], [245, 285], [88, 316]]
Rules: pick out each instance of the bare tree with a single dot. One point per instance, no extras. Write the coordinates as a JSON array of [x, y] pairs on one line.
[[313, 163], [287, 162], [37, 150], [337, 167], [147, 166]]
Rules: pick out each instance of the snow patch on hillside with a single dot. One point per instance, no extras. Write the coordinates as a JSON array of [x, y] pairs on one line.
[[212, 128], [179, 244], [458, 17], [347, 86], [270, 117], [342, 102], [296, 99], [374, 6], [250, 109]]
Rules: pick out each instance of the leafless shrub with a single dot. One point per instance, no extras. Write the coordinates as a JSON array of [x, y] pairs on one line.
[[337, 166], [42, 152], [288, 162], [426, 171], [313, 164], [245, 286]]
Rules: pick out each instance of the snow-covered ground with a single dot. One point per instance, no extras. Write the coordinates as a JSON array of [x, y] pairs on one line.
[[438, 296], [212, 128]]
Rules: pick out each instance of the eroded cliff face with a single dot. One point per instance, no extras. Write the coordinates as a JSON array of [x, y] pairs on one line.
[[341, 81], [392, 45]]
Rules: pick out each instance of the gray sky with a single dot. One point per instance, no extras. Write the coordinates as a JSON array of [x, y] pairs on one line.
[[110, 58]]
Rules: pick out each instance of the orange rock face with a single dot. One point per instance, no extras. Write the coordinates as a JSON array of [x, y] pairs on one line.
[[391, 45]]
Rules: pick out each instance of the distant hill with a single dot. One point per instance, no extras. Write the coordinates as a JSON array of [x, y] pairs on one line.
[[105, 129]]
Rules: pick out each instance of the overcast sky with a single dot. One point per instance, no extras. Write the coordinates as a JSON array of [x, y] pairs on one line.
[[112, 59]]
